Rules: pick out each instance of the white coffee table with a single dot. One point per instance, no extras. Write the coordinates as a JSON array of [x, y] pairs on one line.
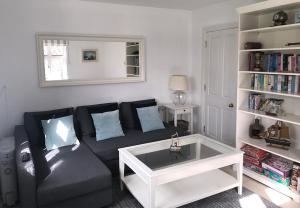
[[167, 179]]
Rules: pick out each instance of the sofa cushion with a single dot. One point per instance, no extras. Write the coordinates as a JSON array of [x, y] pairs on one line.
[[75, 171], [107, 125], [59, 132], [150, 119], [107, 150], [33, 126], [85, 120], [126, 115], [140, 104]]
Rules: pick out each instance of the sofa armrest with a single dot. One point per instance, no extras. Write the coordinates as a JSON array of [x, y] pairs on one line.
[[25, 169]]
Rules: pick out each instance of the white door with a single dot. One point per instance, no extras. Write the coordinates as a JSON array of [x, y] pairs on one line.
[[220, 85]]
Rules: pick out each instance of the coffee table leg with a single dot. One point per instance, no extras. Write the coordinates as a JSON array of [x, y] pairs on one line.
[[122, 169], [240, 176], [151, 200]]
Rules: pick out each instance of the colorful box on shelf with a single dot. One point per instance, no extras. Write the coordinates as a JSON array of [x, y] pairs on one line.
[[254, 152], [254, 168], [276, 177], [253, 160], [278, 165]]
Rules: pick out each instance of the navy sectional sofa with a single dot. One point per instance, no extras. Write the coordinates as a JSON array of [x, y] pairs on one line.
[[78, 175]]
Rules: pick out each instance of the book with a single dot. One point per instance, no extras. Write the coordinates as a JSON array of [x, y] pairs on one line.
[[289, 84], [279, 83], [284, 84], [279, 68], [276, 83], [296, 85], [293, 60], [256, 81], [293, 82], [285, 62], [266, 82], [289, 63], [298, 63]]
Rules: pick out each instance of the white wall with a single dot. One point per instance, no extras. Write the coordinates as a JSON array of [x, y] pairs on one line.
[[168, 42], [111, 58], [217, 14]]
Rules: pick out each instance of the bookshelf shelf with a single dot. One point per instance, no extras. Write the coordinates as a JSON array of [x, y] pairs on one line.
[[271, 73], [288, 118], [272, 29], [271, 49], [272, 184], [133, 45], [291, 154], [255, 22], [132, 66], [271, 93]]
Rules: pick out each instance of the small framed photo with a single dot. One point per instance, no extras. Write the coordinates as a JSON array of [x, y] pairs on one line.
[[297, 16], [89, 55]]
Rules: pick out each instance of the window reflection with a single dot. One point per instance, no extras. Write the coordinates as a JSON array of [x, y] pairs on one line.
[[55, 59]]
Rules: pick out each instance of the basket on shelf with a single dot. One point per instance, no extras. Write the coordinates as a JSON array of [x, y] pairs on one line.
[[277, 135]]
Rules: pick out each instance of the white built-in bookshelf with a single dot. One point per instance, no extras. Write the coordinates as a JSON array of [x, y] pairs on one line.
[[132, 59], [256, 25]]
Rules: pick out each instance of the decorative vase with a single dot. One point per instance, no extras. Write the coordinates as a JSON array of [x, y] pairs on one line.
[[255, 129]]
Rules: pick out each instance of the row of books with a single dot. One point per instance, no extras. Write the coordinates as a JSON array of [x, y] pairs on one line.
[[255, 101], [276, 62], [276, 83]]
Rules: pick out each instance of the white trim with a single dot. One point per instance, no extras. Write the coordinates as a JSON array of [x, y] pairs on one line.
[[272, 5], [71, 36]]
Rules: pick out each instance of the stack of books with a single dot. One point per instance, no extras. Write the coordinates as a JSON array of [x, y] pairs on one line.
[[276, 62], [275, 83]]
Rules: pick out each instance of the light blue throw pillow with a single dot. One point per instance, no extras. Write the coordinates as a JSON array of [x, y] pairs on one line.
[[149, 118], [59, 132], [107, 125]]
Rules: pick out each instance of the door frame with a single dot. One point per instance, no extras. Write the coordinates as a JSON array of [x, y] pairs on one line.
[[205, 30]]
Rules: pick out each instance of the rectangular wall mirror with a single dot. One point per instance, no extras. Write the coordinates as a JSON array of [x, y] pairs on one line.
[[68, 59]]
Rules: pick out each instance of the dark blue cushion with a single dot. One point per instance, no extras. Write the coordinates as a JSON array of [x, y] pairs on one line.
[[34, 129]]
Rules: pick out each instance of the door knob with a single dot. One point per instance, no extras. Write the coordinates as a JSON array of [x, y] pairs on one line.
[[231, 105]]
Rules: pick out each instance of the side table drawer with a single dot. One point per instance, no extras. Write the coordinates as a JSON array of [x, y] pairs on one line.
[[183, 111]]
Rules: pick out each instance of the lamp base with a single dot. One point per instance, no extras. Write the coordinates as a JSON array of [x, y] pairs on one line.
[[179, 97]]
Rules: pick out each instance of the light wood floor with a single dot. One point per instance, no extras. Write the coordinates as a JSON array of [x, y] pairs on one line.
[[269, 194]]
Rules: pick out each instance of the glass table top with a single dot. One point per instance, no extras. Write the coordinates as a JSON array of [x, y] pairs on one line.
[[158, 155]]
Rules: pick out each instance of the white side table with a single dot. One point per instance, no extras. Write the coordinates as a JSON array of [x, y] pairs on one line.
[[177, 110]]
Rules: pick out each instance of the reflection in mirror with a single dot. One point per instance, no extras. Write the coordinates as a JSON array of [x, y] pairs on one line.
[[89, 60]]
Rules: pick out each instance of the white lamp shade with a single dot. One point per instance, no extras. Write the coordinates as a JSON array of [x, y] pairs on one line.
[[178, 83]]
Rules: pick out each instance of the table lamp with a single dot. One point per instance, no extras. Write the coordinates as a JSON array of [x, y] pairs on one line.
[[178, 84]]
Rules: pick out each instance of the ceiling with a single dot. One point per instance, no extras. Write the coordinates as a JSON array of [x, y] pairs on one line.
[[171, 4]]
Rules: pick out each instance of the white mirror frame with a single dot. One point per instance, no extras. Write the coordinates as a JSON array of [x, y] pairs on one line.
[[57, 36]]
